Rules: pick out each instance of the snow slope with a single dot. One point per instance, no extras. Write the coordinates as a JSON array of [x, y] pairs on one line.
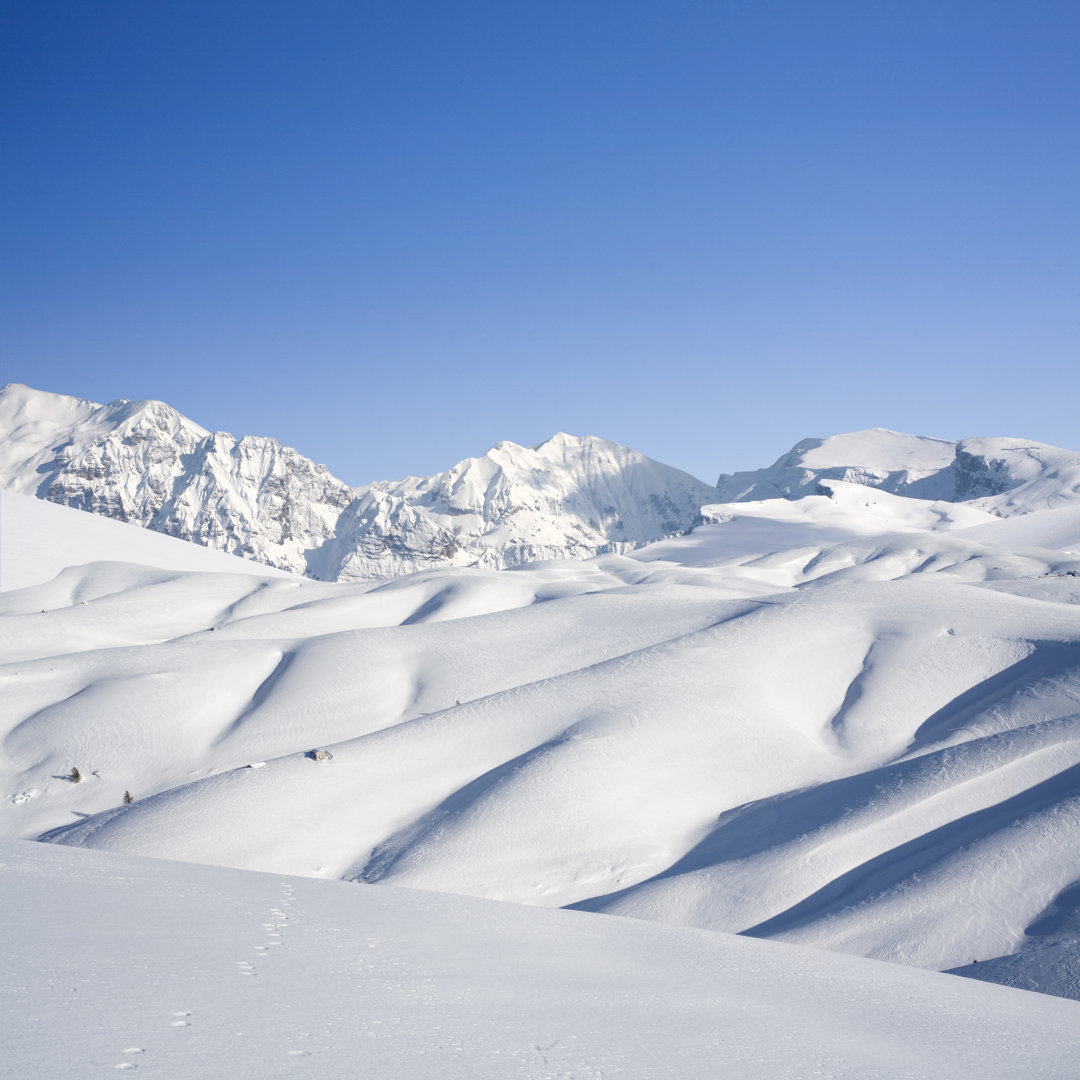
[[114, 963], [143, 462], [39, 539], [837, 721]]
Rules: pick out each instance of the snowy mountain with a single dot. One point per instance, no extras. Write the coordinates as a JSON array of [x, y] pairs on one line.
[[1004, 476], [569, 497], [143, 462], [842, 716]]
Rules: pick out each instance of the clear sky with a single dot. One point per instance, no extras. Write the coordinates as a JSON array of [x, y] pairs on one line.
[[393, 233]]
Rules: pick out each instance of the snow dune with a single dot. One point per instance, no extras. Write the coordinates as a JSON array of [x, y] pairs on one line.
[[115, 963], [849, 729]]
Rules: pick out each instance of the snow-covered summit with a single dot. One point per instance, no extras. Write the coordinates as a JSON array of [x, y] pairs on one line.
[[568, 497], [143, 462], [1006, 475]]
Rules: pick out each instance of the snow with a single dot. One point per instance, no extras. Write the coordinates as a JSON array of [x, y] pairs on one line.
[[113, 963], [1057, 528], [39, 539], [1006, 476], [569, 497], [847, 721], [876, 457], [800, 722]]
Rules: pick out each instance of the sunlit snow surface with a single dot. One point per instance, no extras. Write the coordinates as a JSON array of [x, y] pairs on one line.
[[848, 721], [113, 963]]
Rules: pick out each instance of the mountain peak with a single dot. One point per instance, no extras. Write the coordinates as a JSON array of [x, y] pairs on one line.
[[1006, 475], [142, 461], [570, 496]]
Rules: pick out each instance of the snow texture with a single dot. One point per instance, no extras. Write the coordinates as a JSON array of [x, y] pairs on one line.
[[1005, 476], [848, 720], [115, 963]]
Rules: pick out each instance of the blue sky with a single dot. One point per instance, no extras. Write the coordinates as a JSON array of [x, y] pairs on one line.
[[392, 234]]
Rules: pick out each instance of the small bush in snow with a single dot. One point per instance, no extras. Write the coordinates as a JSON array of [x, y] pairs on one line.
[[75, 776], [128, 800]]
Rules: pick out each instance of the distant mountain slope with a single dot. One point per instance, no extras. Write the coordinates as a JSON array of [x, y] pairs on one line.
[[145, 463], [1007, 476], [568, 497]]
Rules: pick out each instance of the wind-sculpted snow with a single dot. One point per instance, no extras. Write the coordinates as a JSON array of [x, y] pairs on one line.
[[848, 721], [142, 462], [114, 963], [41, 539]]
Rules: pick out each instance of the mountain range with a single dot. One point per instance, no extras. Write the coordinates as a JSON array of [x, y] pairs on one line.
[[567, 498], [838, 709], [144, 463]]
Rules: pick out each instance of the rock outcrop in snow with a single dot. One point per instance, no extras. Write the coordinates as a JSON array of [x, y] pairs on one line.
[[143, 462]]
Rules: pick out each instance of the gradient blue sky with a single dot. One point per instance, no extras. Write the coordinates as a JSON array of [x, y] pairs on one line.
[[391, 234]]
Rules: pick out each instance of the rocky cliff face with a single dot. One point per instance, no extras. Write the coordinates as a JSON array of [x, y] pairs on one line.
[[143, 462], [569, 497]]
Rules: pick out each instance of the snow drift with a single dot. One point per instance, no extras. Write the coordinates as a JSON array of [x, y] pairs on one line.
[[849, 720], [116, 963]]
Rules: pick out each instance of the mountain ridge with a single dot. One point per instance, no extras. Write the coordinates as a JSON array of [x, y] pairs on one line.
[[143, 462], [566, 497], [1003, 475]]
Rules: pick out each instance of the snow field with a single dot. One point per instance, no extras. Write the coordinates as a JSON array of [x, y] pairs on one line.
[[868, 743], [114, 963]]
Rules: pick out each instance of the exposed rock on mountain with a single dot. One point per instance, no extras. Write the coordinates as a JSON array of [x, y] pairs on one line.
[[568, 497], [143, 462]]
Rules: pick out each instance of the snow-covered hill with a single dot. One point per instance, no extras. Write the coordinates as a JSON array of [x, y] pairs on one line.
[[850, 720], [143, 462], [39, 539], [113, 963]]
